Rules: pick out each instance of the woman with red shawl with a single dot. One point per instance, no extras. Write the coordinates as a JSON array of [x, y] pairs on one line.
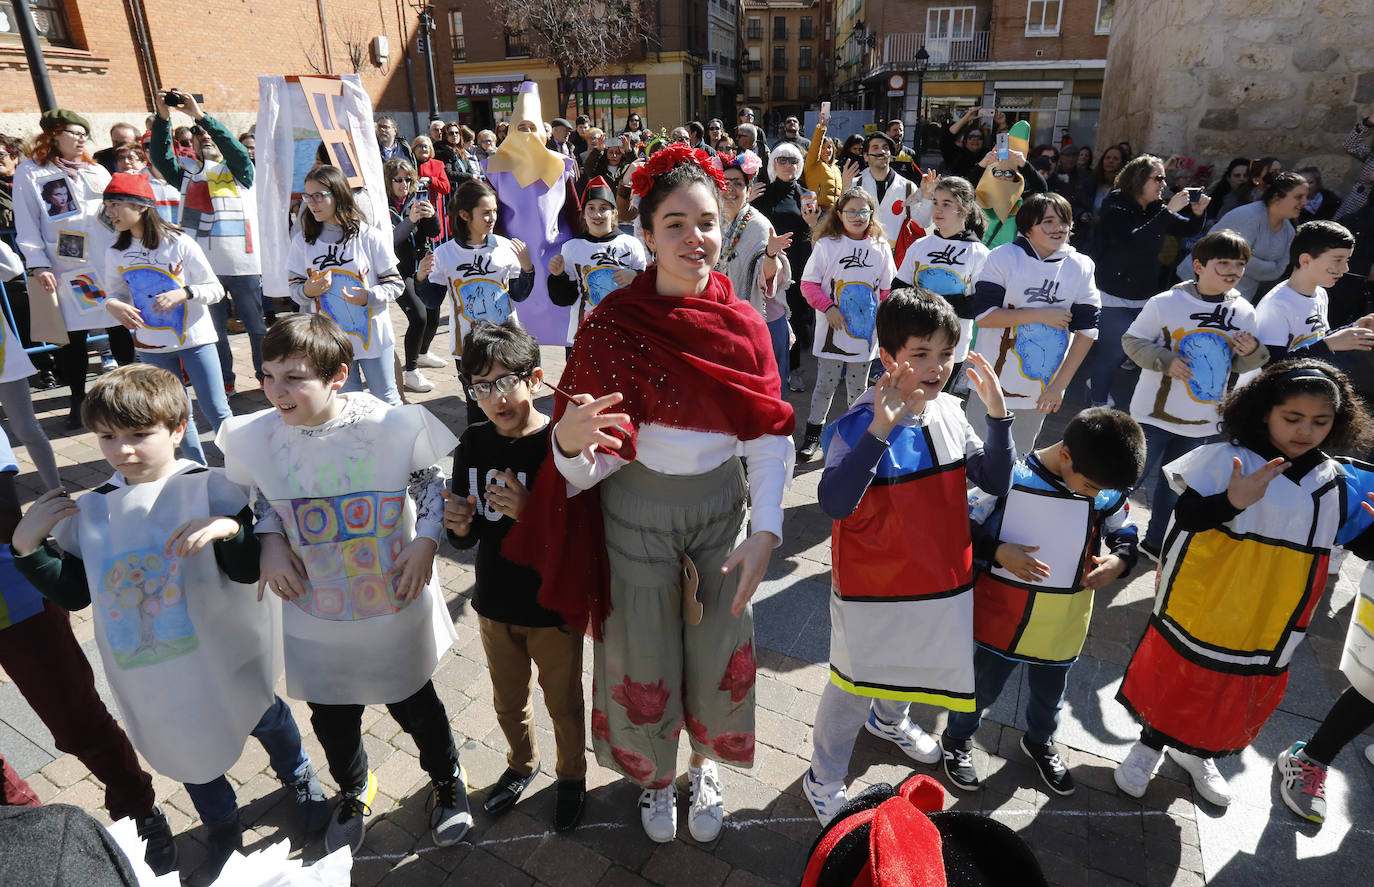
[[674, 381]]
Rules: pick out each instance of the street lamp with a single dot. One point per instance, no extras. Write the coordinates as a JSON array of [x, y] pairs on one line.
[[423, 10], [922, 63]]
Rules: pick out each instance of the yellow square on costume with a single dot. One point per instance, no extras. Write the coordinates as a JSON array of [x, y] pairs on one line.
[[1237, 594], [1364, 614], [1057, 626], [222, 184]]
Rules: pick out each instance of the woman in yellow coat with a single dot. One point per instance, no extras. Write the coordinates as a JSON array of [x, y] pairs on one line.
[[821, 172]]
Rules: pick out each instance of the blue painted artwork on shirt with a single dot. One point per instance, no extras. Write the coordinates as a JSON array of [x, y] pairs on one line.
[[1041, 349], [356, 320], [146, 283], [859, 305], [481, 298], [144, 606], [1208, 355], [599, 281], [941, 281]]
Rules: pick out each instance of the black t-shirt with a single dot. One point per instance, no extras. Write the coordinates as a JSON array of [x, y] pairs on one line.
[[505, 592]]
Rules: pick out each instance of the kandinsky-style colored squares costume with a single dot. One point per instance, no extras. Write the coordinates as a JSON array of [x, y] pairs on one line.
[[1236, 592]]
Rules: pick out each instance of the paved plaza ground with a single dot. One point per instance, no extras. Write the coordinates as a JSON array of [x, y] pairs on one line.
[[1096, 838]]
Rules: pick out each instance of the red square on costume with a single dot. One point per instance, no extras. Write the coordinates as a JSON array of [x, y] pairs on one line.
[[997, 611]]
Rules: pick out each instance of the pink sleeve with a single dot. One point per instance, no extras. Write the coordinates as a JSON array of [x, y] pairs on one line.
[[815, 296], [883, 294]]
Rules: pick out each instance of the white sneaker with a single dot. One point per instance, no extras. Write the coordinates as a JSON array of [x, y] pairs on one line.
[[1133, 774], [429, 361], [1369, 752], [1207, 779], [658, 813], [108, 365], [917, 743], [706, 810], [416, 382], [826, 798]]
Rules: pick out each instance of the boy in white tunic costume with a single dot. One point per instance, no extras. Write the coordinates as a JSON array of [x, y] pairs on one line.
[[349, 499], [165, 552]]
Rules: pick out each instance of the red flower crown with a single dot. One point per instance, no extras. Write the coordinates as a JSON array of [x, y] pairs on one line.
[[669, 159]]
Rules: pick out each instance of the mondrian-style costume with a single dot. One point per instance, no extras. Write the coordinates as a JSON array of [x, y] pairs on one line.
[[1043, 622], [1235, 594]]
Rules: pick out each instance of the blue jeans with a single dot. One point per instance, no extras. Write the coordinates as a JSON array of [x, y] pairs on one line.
[[381, 378], [990, 673], [1161, 448], [1107, 355], [246, 292], [281, 739], [777, 333], [202, 365]]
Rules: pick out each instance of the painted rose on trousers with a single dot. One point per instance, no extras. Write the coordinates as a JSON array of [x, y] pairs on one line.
[[644, 703], [740, 672], [635, 765], [737, 747], [601, 725], [696, 729]]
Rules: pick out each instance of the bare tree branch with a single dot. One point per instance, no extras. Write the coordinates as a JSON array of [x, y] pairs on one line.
[[578, 37]]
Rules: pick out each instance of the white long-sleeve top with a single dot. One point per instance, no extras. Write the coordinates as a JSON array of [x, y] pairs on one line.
[[680, 452]]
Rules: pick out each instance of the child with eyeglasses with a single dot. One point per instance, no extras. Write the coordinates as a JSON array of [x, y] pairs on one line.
[[850, 271], [493, 470]]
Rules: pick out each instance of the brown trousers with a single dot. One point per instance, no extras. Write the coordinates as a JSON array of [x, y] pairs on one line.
[[557, 651]]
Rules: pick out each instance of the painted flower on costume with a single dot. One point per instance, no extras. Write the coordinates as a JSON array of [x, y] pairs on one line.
[[662, 782], [635, 765], [669, 159], [644, 703], [740, 672], [737, 747], [601, 725]]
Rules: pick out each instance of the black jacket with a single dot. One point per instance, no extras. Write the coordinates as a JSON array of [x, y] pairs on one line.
[[1127, 243], [409, 239]]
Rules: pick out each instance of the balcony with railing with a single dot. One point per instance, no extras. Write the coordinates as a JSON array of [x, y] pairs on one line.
[[946, 52], [460, 47]]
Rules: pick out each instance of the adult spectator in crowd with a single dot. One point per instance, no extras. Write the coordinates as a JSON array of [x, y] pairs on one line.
[[822, 172], [962, 145], [453, 152], [696, 138], [1322, 203], [436, 130], [781, 201], [580, 138], [388, 144], [1253, 187], [121, 134], [1357, 145], [1068, 175], [1092, 190], [432, 178], [1223, 191], [1131, 229], [791, 132], [1267, 225], [715, 131], [634, 126], [749, 138], [561, 130], [746, 115], [902, 161], [250, 144], [56, 239], [853, 152], [485, 147], [222, 219], [414, 224]]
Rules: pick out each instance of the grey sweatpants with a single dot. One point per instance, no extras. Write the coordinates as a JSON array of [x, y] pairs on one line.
[[828, 371], [839, 718], [18, 404]]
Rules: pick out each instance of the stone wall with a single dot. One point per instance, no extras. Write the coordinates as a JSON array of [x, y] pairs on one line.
[[1218, 79]]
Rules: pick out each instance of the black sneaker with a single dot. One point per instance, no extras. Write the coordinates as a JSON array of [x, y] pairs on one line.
[[959, 764], [568, 798], [161, 849], [1150, 551], [223, 840], [510, 785], [811, 446], [1051, 766]]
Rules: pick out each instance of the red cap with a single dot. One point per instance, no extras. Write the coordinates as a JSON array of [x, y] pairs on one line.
[[130, 187]]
